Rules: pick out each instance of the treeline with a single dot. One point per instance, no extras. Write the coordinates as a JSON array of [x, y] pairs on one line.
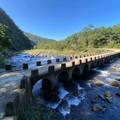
[[89, 37], [12, 39], [11, 34]]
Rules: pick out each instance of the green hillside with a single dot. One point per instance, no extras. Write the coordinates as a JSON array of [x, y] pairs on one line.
[[37, 39], [89, 37], [12, 38], [11, 35]]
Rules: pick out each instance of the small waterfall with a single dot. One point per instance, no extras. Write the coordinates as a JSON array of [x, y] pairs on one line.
[[67, 100]]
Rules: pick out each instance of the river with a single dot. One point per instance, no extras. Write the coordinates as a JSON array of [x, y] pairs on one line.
[[96, 95]]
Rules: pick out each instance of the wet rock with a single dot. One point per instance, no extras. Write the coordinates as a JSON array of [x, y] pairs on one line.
[[98, 83], [116, 67], [114, 83], [101, 97], [118, 94], [96, 108], [108, 96], [109, 100], [118, 79]]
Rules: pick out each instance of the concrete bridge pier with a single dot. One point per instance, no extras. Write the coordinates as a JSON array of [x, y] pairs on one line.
[[75, 72]]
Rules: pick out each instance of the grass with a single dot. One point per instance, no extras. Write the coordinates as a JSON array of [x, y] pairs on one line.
[[66, 52], [5, 54]]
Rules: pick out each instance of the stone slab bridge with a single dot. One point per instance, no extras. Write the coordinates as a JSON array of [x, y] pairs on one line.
[[16, 86]]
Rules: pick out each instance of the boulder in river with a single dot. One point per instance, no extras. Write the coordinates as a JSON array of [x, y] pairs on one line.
[[118, 94], [108, 96], [96, 107], [116, 67], [114, 83], [118, 79], [101, 97], [98, 83]]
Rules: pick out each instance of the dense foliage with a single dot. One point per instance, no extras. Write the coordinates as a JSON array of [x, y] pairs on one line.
[[89, 37], [10, 35], [13, 39]]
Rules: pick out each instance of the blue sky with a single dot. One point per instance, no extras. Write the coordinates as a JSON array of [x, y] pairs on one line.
[[59, 18]]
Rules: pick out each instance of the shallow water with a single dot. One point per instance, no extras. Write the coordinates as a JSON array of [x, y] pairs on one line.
[[18, 60]]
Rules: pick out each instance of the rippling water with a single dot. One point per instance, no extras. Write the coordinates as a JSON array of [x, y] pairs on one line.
[[19, 59]]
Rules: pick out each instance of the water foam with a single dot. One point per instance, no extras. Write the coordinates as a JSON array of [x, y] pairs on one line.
[[103, 73]]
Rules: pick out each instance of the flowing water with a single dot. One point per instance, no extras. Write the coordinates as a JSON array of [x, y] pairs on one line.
[[18, 60], [77, 102]]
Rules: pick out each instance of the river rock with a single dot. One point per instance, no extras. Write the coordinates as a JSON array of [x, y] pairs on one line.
[[96, 108], [101, 97], [116, 67], [118, 94], [108, 96], [114, 83], [98, 83], [118, 79]]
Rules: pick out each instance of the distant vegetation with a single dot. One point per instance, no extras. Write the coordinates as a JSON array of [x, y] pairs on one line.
[[11, 37], [37, 39], [12, 34], [89, 37]]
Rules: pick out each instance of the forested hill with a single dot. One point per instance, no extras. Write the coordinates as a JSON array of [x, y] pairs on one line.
[[96, 37], [11, 36], [89, 37], [37, 39]]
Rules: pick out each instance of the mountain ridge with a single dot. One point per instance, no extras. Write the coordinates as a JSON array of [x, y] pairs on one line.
[[36, 39], [12, 33]]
